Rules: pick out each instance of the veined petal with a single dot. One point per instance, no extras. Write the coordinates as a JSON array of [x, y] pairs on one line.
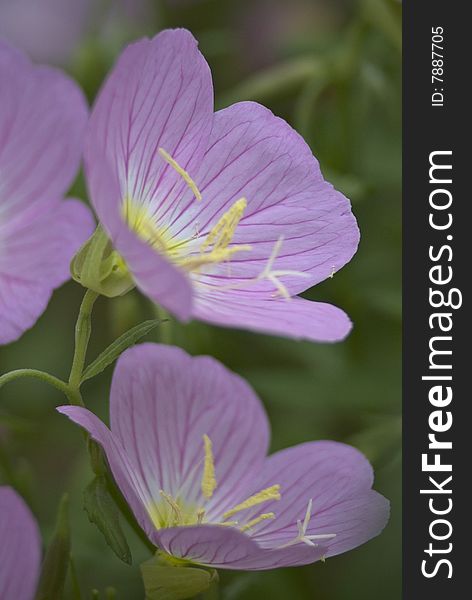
[[35, 252], [228, 548], [154, 275], [337, 479], [257, 156], [42, 119], [163, 403], [20, 547], [297, 318], [159, 95], [129, 481]]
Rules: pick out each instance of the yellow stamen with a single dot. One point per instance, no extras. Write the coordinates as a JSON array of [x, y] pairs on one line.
[[270, 493], [192, 263], [182, 172], [208, 479], [174, 506], [222, 233], [257, 520]]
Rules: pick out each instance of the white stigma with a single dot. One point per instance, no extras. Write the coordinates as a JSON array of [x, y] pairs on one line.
[[273, 276], [302, 536]]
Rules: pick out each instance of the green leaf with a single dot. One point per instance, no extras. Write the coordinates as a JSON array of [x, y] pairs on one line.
[[75, 593], [167, 582], [56, 561], [102, 511], [108, 356]]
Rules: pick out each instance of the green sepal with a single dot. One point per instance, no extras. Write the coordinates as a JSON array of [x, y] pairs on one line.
[[56, 562], [98, 267], [103, 512], [114, 350], [174, 580]]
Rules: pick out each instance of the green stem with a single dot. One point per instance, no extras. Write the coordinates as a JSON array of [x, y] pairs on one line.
[[83, 329], [46, 377]]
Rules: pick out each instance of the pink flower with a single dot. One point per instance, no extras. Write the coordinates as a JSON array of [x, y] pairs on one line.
[[20, 548], [223, 217], [42, 118], [188, 448]]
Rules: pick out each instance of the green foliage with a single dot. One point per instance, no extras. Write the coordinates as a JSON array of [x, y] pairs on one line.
[[110, 354], [56, 561], [101, 510], [163, 581]]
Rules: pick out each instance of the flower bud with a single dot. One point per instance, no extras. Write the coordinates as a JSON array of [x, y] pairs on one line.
[[98, 267]]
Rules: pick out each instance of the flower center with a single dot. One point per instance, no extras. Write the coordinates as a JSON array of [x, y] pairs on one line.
[[170, 511], [175, 511], [217, 247]]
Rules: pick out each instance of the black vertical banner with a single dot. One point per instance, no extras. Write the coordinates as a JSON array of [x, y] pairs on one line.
[[437, 168]]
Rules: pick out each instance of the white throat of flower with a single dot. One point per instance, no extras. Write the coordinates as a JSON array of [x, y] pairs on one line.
[[217, 247], [174, 511]]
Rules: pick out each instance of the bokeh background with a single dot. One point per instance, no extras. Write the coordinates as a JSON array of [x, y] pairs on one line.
[[332, 68]]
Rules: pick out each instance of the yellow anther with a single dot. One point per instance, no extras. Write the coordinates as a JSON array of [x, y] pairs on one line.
[[208, 479], [222, 233], [193, 263], [257, 520], [182, 172], [270, 493]]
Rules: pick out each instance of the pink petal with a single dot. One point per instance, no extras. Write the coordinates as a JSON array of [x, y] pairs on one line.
[[20, 548], [126, 477], [35, 253], [258, 156], [154, 275], [296, 318], [163, 402], [42, 121], [159, 95], [228, 548], [338, 479]]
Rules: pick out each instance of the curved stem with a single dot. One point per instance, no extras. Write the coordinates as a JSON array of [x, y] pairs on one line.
[[41, 375], [83, 330]]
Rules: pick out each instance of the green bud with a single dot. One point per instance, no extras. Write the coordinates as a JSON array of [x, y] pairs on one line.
[[174, 579], [98, 267]]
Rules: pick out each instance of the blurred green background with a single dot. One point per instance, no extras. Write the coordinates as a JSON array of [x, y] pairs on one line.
[[331, 68]]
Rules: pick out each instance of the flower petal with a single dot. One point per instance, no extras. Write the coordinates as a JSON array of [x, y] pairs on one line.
[[20, 547], [42, 120], [159, 95], [35, 252], [258, 156], [126, 477], [338, 479], [154, 275], [164, 401], [297, 317], [228, 548]]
